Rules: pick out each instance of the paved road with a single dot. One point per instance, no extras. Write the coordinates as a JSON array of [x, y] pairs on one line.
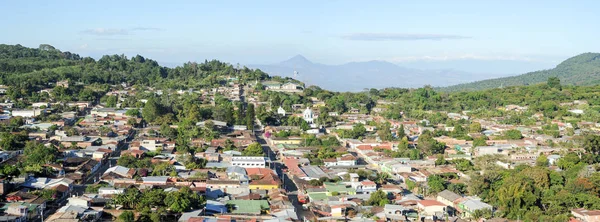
[[288, 184]]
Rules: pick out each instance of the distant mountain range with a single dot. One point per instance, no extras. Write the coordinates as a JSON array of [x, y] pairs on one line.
[[356, 76], [583, 69]]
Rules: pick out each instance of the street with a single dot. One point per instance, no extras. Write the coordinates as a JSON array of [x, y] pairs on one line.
[[288, 184]]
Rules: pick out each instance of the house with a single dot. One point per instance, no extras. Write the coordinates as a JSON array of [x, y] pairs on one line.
[[313, 172], [118, 172], [222, 184], [289, 86], [552, 159], [366, 187], [281, 111], [394, 212], [447, 197], [110, 191], [3, 89], [24, 211], [431, 207], [237, 173], [248, 207], [248, 161], [338, 188], [27, 113], [470, 205], [271, 85], [262, 179], [151, 144], [155, 180], [64, 83], [39, 105], [289, 140], [585, 215], [308, 115], [346, 160], [79, 141]]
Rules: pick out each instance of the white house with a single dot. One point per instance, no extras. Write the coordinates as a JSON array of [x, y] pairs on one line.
[[431, 207], [281, 111], [366, 187], [27, 113], [151, 144], [3, 89], [308, 115], [248, 161], [40, 105], [553, 158], [78, 201], [110, 191], [289, 86]]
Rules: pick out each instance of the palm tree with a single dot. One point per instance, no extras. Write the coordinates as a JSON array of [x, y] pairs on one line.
[[382, 177]]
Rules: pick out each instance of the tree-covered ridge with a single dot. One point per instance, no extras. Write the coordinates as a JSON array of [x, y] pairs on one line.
[[27, 70], [583, 70]]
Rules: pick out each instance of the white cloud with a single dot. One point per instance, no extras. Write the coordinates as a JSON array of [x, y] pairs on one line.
[[400, 37]]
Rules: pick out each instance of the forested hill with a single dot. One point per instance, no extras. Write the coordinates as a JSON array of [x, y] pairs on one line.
[[583, 69], [26, 70]]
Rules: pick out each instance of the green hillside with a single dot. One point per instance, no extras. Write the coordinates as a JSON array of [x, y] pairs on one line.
[[583, 69]]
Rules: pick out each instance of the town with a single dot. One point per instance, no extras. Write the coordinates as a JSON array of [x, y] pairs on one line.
[[247, 146]]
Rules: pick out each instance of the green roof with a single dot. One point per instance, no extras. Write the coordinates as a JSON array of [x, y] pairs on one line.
[[317, 196], [249, 206], [30, 206], [337, 187]]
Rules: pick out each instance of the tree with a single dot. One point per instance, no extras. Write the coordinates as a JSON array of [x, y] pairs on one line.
[[111, 101], [127, 216], [358, 130], [479, 141], [315, 182], [129, 198], [554, 82], [459, 188], [250, 116], [482, 213], [381, 178], [591, 144], [436, 184], [378, 198], [513, 134], [254, 149], [440, 160], [182, 200], [542, 161], [132, 121], [133, 112], [9, 171], [400, 132], [304, 126], [429, 145], [152, 110], [475, 127]]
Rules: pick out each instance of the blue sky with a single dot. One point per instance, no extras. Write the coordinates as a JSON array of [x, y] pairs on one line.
[[331, 32]]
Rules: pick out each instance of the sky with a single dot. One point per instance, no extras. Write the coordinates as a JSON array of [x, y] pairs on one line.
[[330, 32]]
